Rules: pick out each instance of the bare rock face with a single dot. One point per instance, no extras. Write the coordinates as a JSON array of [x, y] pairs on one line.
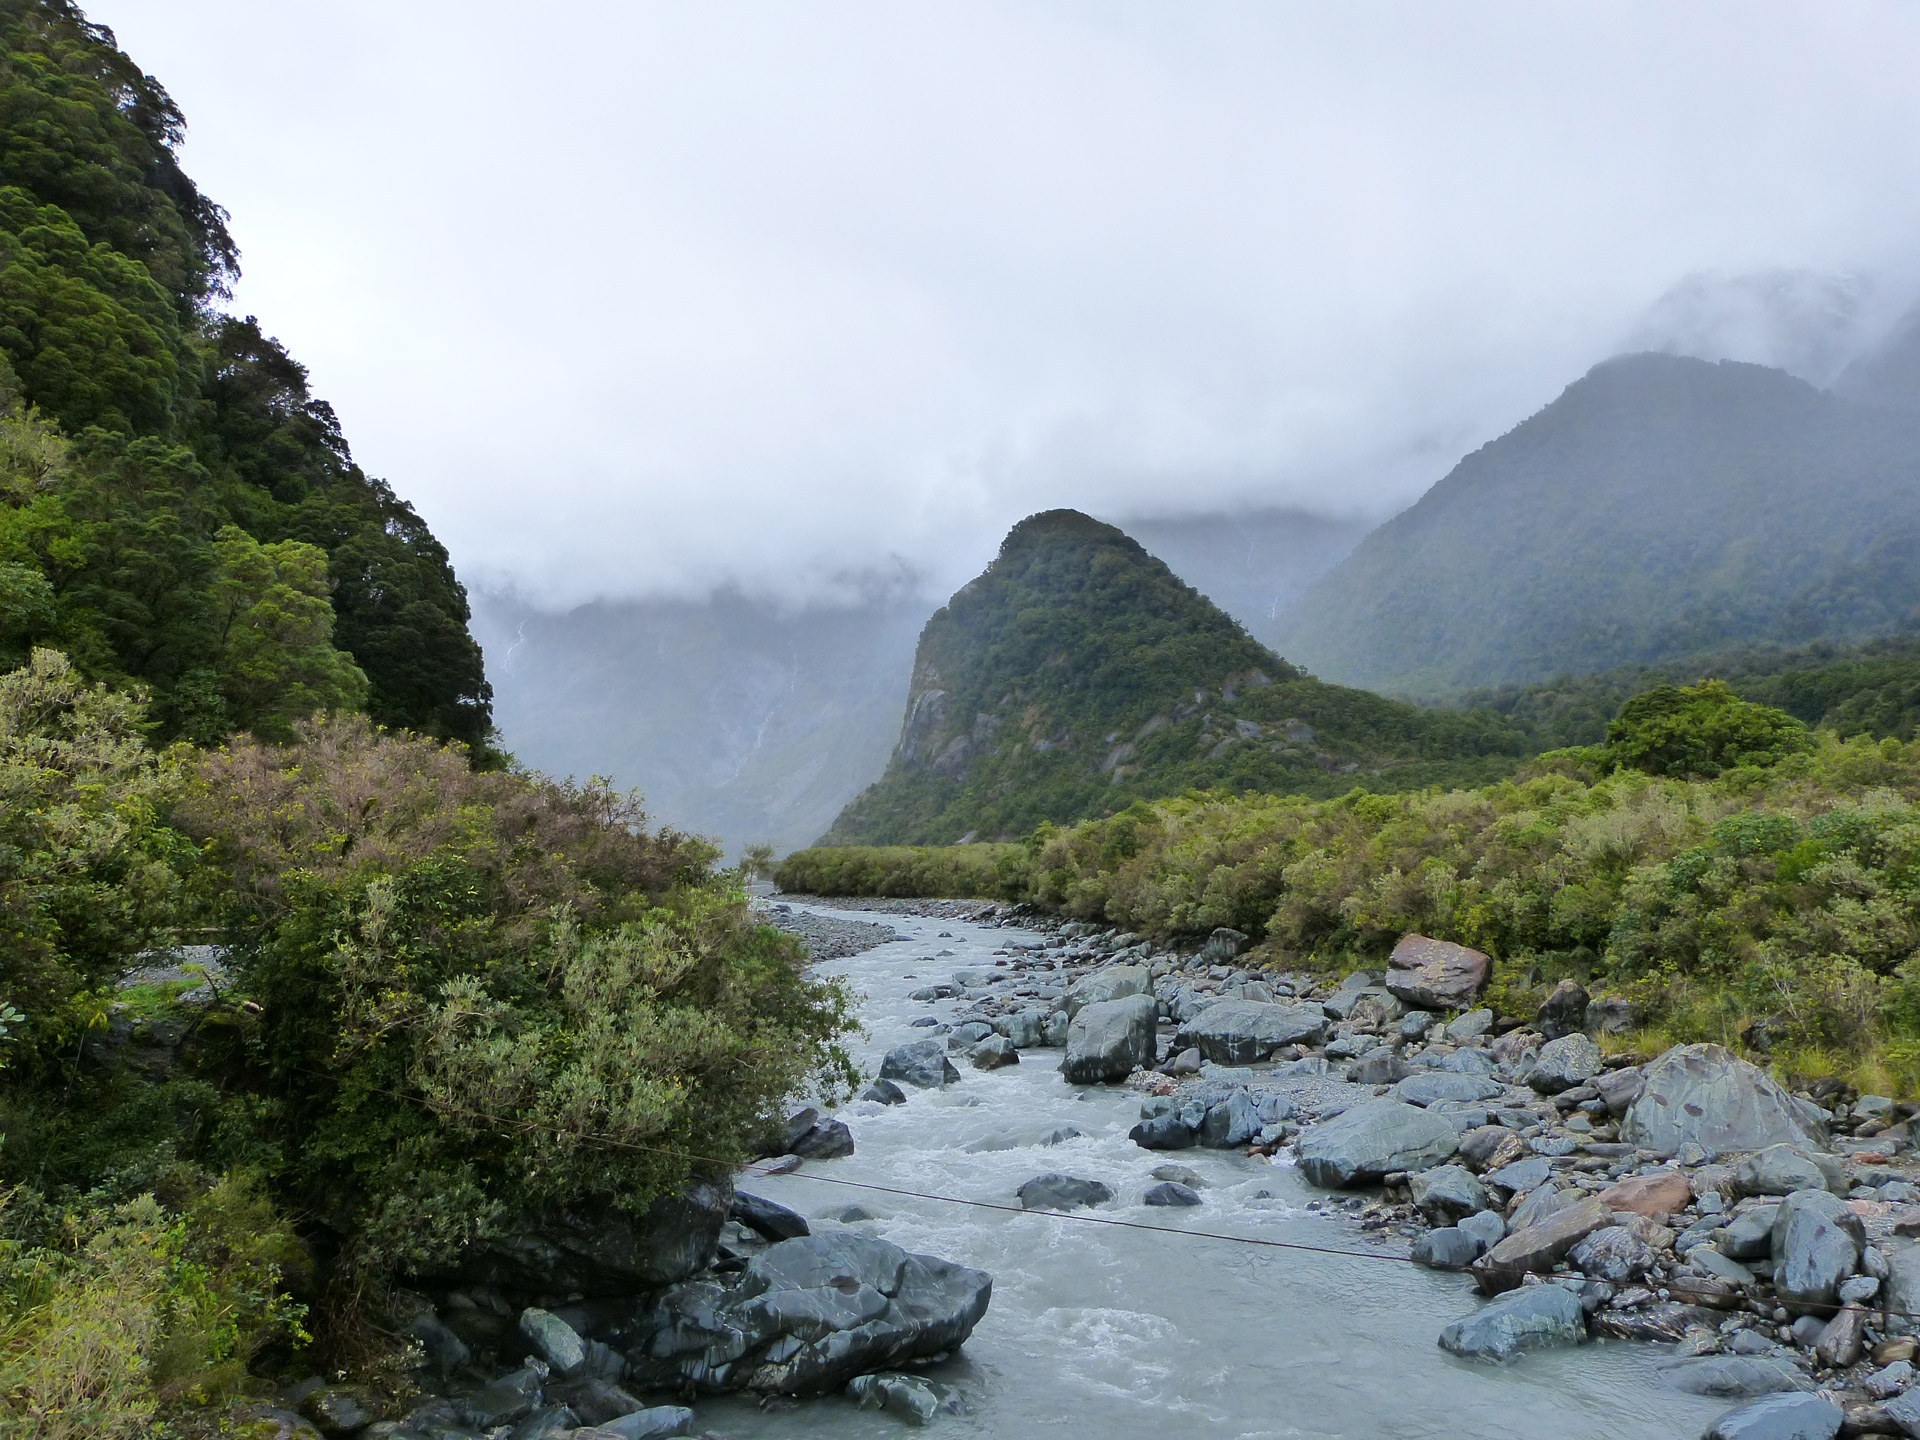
[[1705, 1094], [1435, 974]]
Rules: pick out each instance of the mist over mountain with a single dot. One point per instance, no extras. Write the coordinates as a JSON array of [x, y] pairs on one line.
[[1660, 506]]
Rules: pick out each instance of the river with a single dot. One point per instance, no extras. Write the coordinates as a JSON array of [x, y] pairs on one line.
[[1119, 1334]]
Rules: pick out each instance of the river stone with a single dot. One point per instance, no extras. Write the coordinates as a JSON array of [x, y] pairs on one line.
[[553, 1340], [825, 1140], [1432, 974], [1062, 1192], [1709, 1261], [1446, 1193], [1109, 1040], [657, 1423], [1749, 1235], [1379, 1067], [1538, 1247], [884, 1092], [597, 1249], [1170, 1192], [905, 1397], [510, 1398], [1438, 1085], [1563, 1012], [1024, 1029], [1164, 1132], [920, 1063], [1662, 1321], [1521, 1176], [1904, 1411], [1540, 1202], [1447, 1247], [1373, 1139], [807, 1315], [1535, 1318], [1817, 1240], [1733, 1376], [995, 1053], [1613, 1254], [1658, 1193], [1790, 1416], [1843, 1339], [1116, 982], [1470, 1026], [1779, 1170], [1620, 1088], [595, 1400], [1232, 1121], [547, 1421], [1487, 1148], [1900, 1286], [1704, 1095], [774, 1222], [967, 1034], [1562, 1064], [1242, 1032]]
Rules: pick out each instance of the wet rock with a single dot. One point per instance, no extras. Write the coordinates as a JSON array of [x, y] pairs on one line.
[[1109, 1040], [995, 1053], [1536, 1318], [1446, 1248], [1660, 1321], [763, 1217], [1779, 1170], [1614, 1254], [597, 1249], [825, 1140], [548, 1420], [445, 1351], [595, 1401], [905, 1397], [964, 1036], [1486, 1227], [657, 1423], [1562, 1064], [806, 1316], [1170, 1192], [1432, 974], [1024, 1030], [1232, 1121], [553, 1340], [922, 1064], [1780, 1417], [1447, 1193], [1703, 1095], [1438, 1085], [1539, 1247], [884, 1092], [1371, 1140], [1167, 1131], [1660, 1193], [1733, 1376], [1062, 1192], [1817, 1242], [1563, 1012], [1116, 982], [508, 1399], [1242, 1032], [1180, 1175]]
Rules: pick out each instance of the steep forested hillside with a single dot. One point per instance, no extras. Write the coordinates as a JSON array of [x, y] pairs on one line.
[[176, 508], [1079, 673], [1661, 507]]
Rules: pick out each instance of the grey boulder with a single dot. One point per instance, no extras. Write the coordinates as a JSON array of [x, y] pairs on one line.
[[774, 1222], [1733, 1376], [553, 1340], [657, 1423], [995, 1053], [1241, 1032], [1447, 1247], [1373, 1139], [1171, 1192], [1109, 1040], [1789, 1416], [1780, 1170], [1536, 1318], [1707, 1096], [1447, 1193], [1817, 1244], [1562, 1064], [1539, 1247], [1115, 982], [1061, 1192], [1437, 1085], [1024, 1029], [922, 1064]]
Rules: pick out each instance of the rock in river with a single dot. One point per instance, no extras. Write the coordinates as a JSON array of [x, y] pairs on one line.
[[1788, 1416], [1535, 1318], [1116, 982], [1242, 1032], [1704, 1094], [923, 1063], [1373, 1139], [1435, 974], [806, 1316], [1109, 1040], [1062, 1192], [1447, 1193]]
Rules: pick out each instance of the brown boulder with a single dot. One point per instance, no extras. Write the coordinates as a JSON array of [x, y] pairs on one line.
[[1433, 974], [1539, 1247], [1660, 1193]]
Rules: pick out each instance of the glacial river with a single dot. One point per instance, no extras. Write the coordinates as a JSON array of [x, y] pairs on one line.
[[1115, 1334]]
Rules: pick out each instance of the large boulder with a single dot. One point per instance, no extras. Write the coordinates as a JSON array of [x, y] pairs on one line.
[[1539, 1247], [1109, 1040], [1447, 1193], [1432, 974], [1562, 1064], [806, 1316], [1783, 1169], [1115, 982], [1241, 1032], [600, 1250], [1434, 1085], [920, 1063], [1373, 1139], [1704, 1094], [1817, 1244], [1061, 1192], [1787, 1416], [1536, 1318], [1657, 1193]]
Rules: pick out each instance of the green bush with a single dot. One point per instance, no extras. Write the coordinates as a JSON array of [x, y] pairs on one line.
[[1702, 730], [979, 872]]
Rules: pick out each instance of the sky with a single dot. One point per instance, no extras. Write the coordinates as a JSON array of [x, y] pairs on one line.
[[636, 299]]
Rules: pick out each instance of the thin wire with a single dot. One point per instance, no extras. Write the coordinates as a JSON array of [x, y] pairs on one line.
[[1076, 1216]]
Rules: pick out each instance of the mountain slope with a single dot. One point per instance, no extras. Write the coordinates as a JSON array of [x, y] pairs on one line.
[[1659, 507], [1079, 674]]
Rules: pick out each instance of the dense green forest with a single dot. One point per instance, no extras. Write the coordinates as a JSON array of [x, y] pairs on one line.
[[176, 508], [1079, 674], [1661, 508]]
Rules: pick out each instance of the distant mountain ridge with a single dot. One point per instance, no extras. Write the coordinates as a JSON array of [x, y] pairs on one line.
[[1078, 673]]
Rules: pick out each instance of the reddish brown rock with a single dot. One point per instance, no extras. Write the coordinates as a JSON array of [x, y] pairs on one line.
[[1660, 1193], [1435, 974]]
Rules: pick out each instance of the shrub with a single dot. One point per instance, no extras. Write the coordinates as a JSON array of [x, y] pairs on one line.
[[981, 872], [1700, 730]]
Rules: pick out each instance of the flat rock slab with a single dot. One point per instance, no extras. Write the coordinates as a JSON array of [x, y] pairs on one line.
[[1244, 1032], [1436, 1085], [1536, 1318], [1780, 1417], [1373, 1139]]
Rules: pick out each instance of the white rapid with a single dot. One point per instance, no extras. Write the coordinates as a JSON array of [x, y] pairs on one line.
[[1097, 1331]]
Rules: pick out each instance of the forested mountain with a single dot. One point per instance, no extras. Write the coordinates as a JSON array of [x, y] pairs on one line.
[[176, 508], [1661, 507], [1079, 673]]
